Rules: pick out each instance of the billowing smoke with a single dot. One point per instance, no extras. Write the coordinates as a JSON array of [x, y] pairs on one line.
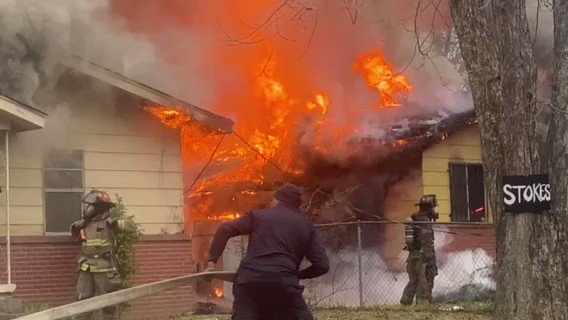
[[35, 35], [28, 39], [462, 276], [213, 53], [310, 47]]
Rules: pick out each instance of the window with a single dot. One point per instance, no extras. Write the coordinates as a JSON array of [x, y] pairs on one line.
[[63, 189], [467, 193]]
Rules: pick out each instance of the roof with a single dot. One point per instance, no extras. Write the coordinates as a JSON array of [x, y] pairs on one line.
[[20, 116], [399, 148], [151, 94], [439, 124]]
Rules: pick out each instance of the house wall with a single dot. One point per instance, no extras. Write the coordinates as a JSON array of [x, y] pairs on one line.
[[126, 151], [44, 270], [398, 207], [461, 147]]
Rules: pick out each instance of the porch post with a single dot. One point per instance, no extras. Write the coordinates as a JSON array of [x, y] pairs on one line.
[[8, 246]]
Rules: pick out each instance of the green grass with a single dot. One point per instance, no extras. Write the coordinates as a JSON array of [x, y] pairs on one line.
[[472, 311]]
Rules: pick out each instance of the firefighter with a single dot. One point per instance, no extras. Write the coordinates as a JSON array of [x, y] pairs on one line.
[[97, 231], [267, 285], [421, 263]]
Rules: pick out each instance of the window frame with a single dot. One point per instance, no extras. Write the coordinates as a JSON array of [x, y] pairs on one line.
[[46, 190], [488, 219]]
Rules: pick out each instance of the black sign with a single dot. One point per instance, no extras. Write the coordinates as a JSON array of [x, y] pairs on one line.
[[526, 193]]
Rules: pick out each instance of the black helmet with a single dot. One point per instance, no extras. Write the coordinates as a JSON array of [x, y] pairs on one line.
[[98, 197], [96, 203], [428, 200]]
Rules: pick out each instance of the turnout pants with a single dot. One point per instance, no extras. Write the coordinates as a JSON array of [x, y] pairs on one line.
[[269, 300], [90, 284], [420, 281]]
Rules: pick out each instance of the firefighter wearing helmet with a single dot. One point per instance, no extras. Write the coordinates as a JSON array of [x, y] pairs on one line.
[[97, 231], [421, 263]]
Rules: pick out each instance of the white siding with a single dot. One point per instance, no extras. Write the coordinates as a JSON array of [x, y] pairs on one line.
[[133, 156], [132, 162], [127, 179]]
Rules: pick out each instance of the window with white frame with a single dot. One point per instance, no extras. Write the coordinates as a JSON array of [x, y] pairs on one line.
[[63, 189]]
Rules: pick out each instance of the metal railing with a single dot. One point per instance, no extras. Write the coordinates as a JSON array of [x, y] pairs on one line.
[[367, 265]]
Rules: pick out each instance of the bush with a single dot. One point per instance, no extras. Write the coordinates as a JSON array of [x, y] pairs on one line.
[[125, 249], [125, 244]]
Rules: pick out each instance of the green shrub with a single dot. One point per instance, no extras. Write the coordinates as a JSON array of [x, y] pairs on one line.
[[125, 244]]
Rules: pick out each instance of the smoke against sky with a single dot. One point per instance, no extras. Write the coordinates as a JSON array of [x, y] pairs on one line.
[[313, 46], [200, 51], [35, 34]]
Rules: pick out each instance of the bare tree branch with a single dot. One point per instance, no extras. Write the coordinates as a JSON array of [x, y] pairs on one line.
[[311, 36], [263, 71]]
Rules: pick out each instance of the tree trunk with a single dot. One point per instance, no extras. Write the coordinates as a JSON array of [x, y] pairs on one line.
[[496, 45]]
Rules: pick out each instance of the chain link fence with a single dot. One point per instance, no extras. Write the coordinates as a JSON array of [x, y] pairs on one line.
[[367, 266]]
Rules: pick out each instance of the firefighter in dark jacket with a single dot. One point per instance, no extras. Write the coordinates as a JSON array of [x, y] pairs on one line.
[[97, 269], [267, 285], [421, 263]]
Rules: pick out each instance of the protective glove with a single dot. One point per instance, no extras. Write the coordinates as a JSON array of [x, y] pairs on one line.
[[76, 228]]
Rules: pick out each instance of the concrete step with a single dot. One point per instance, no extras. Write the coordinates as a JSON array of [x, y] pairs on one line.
[[10, 316], [9, 306]]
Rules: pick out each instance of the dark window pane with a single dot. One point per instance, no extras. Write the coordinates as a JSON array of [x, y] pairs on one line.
[[476, 193], [61, 210], [67, 159], [458, 193], [63, 179], [467, 193]]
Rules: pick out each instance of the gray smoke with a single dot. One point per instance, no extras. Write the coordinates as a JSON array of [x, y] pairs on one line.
[[36, 34], [30, 33], [383, 286], [383, 283]]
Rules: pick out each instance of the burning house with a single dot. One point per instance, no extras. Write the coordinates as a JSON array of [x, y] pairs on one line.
[[363, 134]]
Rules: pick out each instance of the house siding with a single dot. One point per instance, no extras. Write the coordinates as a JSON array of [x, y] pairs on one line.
[[398, 207], [462, 147], [132, 155]]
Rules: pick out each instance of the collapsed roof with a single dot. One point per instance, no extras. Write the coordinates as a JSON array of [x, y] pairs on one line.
[[404, 139]]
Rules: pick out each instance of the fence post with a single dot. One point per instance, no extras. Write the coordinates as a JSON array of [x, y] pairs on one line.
[[359, 263]]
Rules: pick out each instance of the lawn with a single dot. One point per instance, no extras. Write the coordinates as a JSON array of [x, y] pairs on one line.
[[470, 312]]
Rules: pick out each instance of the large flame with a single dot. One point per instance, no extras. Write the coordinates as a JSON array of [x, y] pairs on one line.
[[380, 76], [271, 127], [283, 103]]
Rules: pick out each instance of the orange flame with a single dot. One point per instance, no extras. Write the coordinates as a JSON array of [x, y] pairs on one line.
[[270, 126], [379, 76], [174, 118], [224, 216], [219, 293], [320, 105], [400, 143]]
